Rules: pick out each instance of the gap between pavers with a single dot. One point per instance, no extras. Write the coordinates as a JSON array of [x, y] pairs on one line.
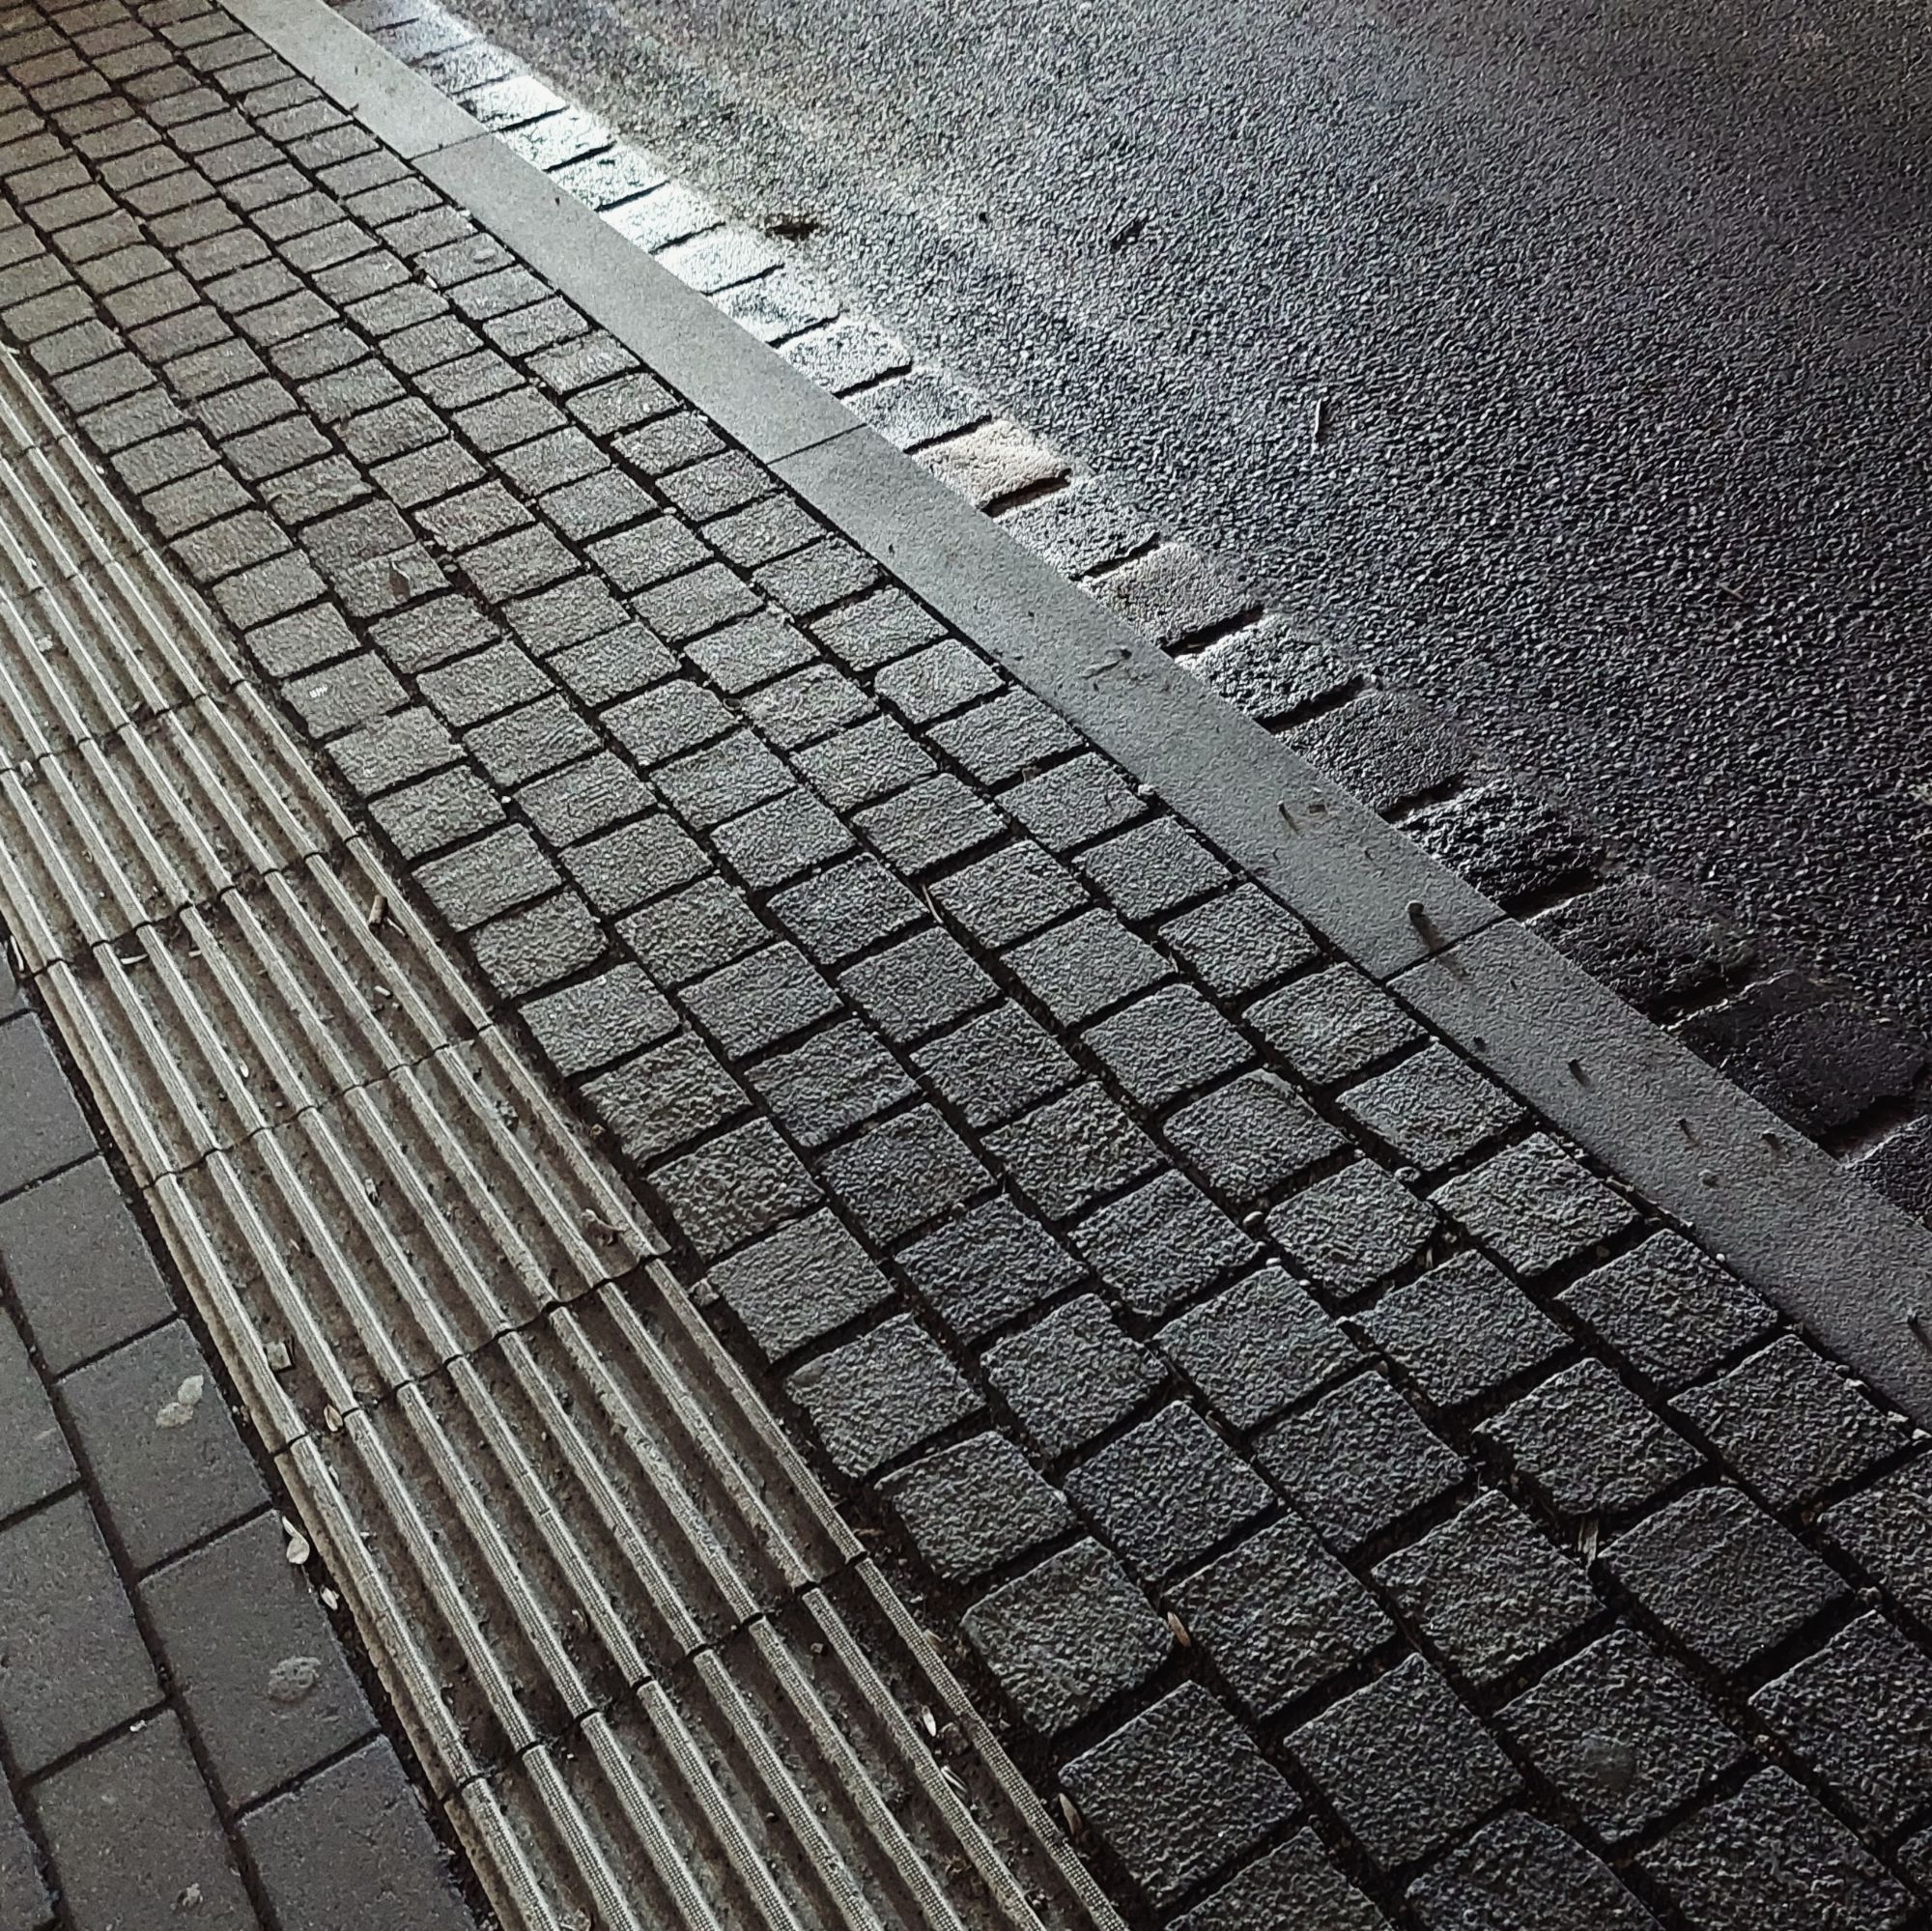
[[1810, 1236]]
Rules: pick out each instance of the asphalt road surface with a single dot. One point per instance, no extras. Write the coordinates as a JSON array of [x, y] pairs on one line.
[[1619, 315]]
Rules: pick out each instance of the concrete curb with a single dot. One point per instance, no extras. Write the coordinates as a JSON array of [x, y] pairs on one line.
[[1809, 1235]]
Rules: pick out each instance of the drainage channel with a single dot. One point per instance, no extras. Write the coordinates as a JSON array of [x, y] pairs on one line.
[[647, 1672]]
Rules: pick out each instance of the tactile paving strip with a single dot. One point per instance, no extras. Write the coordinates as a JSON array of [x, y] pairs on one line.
[[645, 1665]]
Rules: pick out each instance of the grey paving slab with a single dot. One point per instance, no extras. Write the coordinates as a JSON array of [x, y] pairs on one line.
[[42, 1129], [75, 1665], [254, 1661], [33, 1459], [350, 1849], [160, 1445], [79, 1267], [132, 1833], [25, 1901]]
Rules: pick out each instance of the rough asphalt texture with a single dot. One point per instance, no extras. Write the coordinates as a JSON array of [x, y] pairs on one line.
[[1346, 1492], [1617, 319]]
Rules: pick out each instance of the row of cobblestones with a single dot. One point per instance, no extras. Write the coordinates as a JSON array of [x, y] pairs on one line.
[[183, 1736], [1363, 1509]]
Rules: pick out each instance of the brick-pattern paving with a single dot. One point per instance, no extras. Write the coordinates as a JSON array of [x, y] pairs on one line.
[[1362, 1509], [182, 1738]]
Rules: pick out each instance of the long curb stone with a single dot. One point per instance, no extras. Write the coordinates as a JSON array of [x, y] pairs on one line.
[[1810, 1236], [1829, 1252]]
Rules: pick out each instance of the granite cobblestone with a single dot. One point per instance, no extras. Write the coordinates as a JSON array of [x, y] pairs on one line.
[[1066, 1177]]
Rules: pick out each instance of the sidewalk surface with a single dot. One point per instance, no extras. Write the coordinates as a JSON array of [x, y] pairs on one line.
[[1351, 1502]]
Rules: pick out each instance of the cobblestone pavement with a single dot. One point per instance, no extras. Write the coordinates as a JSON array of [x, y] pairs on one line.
[[183, 1736], [1362, 1508], [1809, 1045]]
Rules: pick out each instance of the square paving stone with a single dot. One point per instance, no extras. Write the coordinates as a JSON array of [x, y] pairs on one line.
[[600, 1020], [251, 1655], [1016, 891], [1294, 1888], [721, 780], [1072, 1375], [79, 1267], [162, 1448], [1333, 1025], [527, 951], [881, 1396], [1790, 1425], [620, 870], [1278, 1616], [1249, 1138], [1359, 1462], [757, 1002], [920, 829], [1775, 1858], [929, 683], [1153, 870], [1167, 1045], [1589, 1445], [1163, 1244], [1066, 1637], [74, 1662], [1486, 1590], [733, 1187], [1723, 1578], [694, 931], [665, 1098], [43, 1128], [490, 876], [33, 1459], [976, 1506], [873, 760], [1406, 1766], [903, 1174], [1242, 942], [1255, 1349], [1072, 1151], [131, 1830], [988, 1267], [842, 911], [1860, 1714], [1621, 1734], [1073, 803], [1354, 1229], [1432, 1109], [1462, 1331], [798, 1283], [1535, 1207], [996, 1066], [781, 840], [1078, 970], [1517, 1874], [836, 1080], [1669, 1311], [915, 988], [1167, 1492], [1179, 1793], [351, 1850]]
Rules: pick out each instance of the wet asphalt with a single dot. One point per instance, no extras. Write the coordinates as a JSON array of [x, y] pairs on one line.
[[1618, 314]]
